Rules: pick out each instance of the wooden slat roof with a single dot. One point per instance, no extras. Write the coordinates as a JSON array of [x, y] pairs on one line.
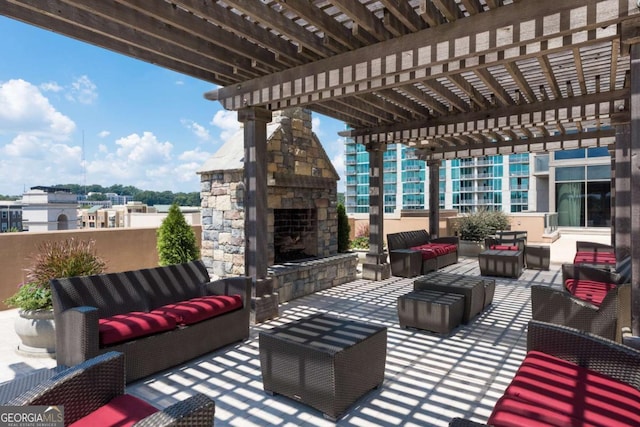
[[456, 77]]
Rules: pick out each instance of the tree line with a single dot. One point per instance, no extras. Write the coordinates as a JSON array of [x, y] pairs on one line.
[[150, 198]]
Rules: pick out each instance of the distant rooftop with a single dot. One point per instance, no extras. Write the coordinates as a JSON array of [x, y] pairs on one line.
[[51, 189]]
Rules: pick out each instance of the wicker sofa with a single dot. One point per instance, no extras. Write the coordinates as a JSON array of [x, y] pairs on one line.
[[157, 317], [592, 300], [569, 378], [414, 252], [93, 394]]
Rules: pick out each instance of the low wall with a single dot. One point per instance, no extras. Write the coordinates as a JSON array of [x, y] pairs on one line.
[[295, 280], [532, 223], [123, 249]]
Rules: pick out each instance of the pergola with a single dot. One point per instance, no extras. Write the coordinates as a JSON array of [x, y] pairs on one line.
[[453, 78]]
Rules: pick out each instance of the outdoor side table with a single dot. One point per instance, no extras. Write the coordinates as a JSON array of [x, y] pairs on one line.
[[537, 256], [477, 291], [324, 361], [430, 310], [501, 263], [406, 262]]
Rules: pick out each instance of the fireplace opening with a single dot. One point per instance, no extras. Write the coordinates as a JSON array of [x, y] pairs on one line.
[[295, 234]]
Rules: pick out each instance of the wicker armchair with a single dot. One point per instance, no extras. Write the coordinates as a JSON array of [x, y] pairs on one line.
[[605, 318], [618, 362], [100, 382], [505, 240]]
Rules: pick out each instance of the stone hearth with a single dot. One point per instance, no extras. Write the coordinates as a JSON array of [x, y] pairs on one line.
[[302, 220]]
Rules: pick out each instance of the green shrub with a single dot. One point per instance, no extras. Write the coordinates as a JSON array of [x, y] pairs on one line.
[[55, 259], [343, 229], [176, 242], [361, 241], [478, 225]]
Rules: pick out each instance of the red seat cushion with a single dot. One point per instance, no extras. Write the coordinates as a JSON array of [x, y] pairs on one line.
[[201, 308], [513, 412], [426, 251], [124, 327], [595, 258], [122, 411], [504, 247], [434, 250], [589, 290], [568, 389]]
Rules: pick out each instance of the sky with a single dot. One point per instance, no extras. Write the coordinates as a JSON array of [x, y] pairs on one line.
[[71, 112]]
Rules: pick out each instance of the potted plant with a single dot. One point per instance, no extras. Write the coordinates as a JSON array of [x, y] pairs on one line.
[[52, 259], [474, 227]]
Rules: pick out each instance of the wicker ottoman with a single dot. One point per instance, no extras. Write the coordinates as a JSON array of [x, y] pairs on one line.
[[477, 291], [430, 310], [537, 256], [323, 361], [501, 263]]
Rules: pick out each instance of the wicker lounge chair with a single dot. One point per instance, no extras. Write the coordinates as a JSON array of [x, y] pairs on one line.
[[94, 391], [592, 300], [595, 254], [569, 377]]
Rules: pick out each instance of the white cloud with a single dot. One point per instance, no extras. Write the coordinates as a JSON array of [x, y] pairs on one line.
[[83, 90], [228, 122], [179, 82], [24, 110], [198, 130], [315, 126], [104, 134], [51, 87]]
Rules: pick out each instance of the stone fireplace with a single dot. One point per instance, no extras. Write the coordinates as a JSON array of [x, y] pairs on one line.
[[295, 234], [302, 223]]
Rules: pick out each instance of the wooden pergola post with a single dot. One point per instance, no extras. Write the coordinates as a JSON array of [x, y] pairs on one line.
[[264, 304], [376, 266], [434, 197], [635, 195]]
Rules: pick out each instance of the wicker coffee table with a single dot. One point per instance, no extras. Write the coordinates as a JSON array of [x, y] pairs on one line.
[[501, 263], [477, 291], [324, 361]]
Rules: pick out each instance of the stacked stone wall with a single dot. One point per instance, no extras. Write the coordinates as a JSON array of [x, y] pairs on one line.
[[223, 240]]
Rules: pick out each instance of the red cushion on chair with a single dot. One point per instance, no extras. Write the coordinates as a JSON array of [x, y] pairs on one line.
[[595, 258], [569, 389], [122, 411], [426, 251], [444, 248], [589, 290], [201, 308], [504, 247], [124, 327], [513, 412]]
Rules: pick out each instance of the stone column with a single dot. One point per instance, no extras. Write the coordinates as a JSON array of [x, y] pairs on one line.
[[434, 197], [376, 266], [264, 302]]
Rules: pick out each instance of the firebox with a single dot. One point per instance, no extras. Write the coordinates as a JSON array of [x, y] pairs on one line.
[[295, 234]]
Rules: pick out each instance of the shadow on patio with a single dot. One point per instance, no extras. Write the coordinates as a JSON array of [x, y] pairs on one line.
[[429, 379]]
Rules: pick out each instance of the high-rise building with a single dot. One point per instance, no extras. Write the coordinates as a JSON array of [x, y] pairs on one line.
[[575, 182]]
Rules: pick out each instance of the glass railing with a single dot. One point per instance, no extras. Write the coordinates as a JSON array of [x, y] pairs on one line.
[[550, 222]]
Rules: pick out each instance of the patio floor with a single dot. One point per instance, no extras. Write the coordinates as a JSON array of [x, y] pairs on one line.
[[429, 378]]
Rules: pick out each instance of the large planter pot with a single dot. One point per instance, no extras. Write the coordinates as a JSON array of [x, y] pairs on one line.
[[37, 333], [470, 248]]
